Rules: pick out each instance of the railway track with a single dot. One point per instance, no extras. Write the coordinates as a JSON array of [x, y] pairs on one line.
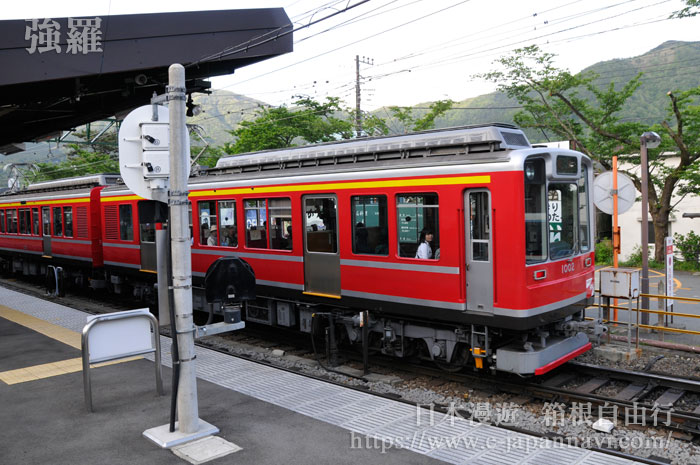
[[677, 399], [627, 393]]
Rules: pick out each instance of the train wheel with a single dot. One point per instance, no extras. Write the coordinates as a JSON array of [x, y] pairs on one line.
[[460, 359]]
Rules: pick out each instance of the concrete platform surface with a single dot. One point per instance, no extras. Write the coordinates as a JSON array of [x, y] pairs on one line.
[[45, 420], [274, 416]]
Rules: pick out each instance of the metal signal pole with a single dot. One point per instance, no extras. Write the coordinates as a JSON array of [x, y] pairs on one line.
[[358, 112], [187, 404]]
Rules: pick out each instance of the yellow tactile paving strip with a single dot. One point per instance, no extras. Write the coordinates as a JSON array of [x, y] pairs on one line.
[[51, 330], [46, 370]]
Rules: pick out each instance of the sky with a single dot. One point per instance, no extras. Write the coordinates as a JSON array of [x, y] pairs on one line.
[[413, 51]]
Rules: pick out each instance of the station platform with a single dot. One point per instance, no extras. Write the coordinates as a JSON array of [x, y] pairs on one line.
[[274, 416]]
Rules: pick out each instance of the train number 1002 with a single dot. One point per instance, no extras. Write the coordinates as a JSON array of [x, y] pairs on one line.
[[567, 267]]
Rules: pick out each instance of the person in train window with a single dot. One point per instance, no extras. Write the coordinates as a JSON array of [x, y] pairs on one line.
[[226, 237], [361, 239], [211, 240], [424, 250]]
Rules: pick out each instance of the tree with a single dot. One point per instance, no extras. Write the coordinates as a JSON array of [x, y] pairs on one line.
[[410, 123], [277, 127], [101, 156], [692, 9], [573, 107], [80, 162]]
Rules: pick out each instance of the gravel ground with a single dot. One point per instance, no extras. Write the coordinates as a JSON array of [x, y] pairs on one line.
[[660, 361], [570, 425]]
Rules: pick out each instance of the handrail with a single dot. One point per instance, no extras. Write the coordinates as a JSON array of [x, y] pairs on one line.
[[85, 345]]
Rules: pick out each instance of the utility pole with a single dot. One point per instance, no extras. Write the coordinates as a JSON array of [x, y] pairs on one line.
[[358, 112]]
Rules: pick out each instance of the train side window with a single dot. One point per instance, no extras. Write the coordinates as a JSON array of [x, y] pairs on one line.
[[321, 225], [207, 223], [35, 221], [479, 226], [370, 225], [256, 223], [126, 223], [46, 217], [535, 211], [2, 221], [57, 222], [68, 221], [417, 214], [280, 223], [228, 234], [11, 221], [24, 221]]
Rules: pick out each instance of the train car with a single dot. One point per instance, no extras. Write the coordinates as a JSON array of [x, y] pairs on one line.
[[57, 224], [465, 246], [340, 228]]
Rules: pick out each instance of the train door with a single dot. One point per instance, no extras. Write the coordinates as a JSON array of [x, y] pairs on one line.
[[321, 255], [479, 250], [147, 235], [46, 229]]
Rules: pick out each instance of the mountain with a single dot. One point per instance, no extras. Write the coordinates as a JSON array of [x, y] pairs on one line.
[[221, 112], [671, 66]]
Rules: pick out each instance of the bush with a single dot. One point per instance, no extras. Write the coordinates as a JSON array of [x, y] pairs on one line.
[[604, 252], [689, 247], [635, 259]]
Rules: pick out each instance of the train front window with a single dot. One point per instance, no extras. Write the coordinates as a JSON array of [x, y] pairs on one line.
[[535, 212], [583, 210], [562, 217]]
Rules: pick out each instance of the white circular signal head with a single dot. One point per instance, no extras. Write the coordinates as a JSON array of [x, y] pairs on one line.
[[603, 192]]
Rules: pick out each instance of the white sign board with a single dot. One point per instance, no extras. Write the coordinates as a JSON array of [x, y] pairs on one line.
[[669, 272], [112, 339]]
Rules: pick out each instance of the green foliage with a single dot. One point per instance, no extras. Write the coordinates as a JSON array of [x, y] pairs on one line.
[[210, 155], [635, 260], [689, 247], [373, 125], [80, 162], [575, 107], [308, 122], [604, 252], [692, 9], [408, 120]]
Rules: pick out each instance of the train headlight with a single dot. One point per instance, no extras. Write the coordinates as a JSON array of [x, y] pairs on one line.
[[529, 171]]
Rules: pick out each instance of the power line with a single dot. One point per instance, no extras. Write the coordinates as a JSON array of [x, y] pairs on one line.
[[349, 44], [258, 41]]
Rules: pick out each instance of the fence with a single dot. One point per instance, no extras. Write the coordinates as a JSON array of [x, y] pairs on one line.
[[662, 327]]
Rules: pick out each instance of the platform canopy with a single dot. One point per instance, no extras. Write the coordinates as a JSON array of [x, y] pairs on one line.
[[59, 73]]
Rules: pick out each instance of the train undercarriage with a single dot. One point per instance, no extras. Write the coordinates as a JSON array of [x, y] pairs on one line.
[[451, 347]]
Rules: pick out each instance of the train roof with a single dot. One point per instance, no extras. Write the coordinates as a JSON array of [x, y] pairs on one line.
[[480, 143]]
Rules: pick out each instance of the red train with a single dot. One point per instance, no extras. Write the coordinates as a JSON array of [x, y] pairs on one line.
[[467, 246]]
